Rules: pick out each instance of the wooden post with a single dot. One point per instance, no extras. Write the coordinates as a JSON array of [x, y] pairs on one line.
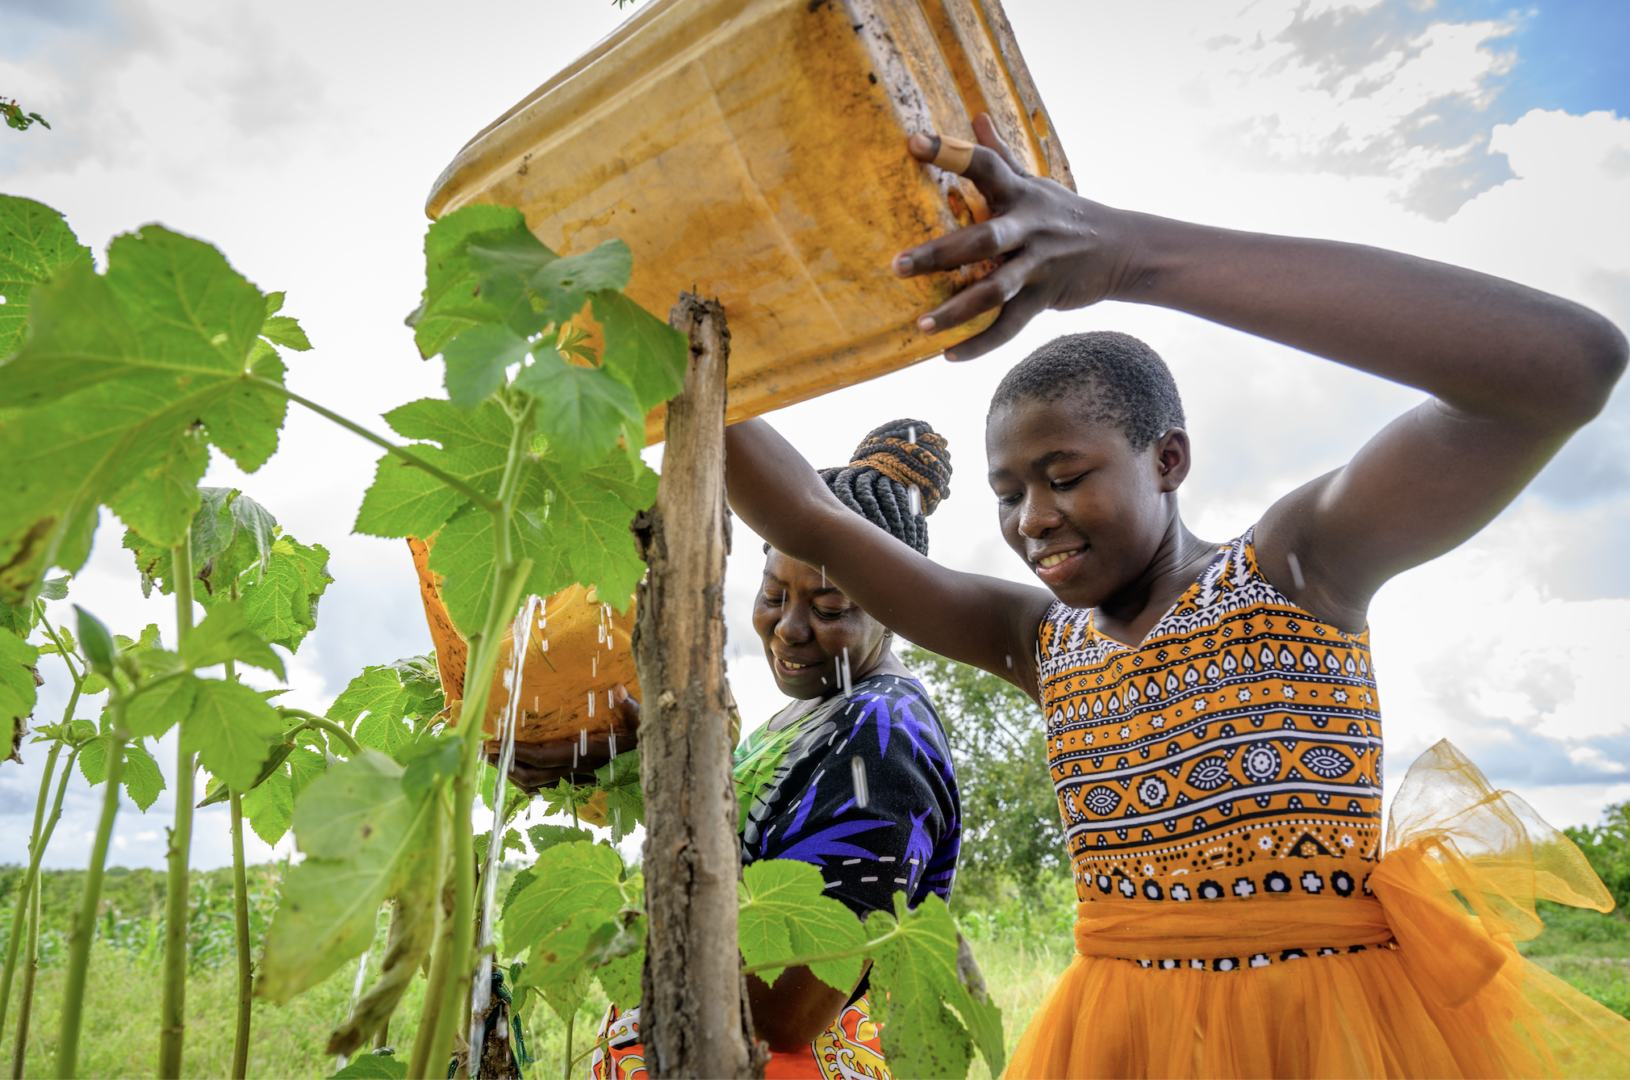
[[693, 1017]]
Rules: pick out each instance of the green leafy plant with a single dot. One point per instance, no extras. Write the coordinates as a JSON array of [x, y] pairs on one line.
[[119, 385]]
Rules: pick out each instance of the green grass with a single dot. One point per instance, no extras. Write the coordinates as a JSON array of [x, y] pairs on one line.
[[1589, 950], [120, 1031], [1023, 944]]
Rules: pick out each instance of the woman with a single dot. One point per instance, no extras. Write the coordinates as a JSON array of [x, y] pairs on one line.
[[854, 776]]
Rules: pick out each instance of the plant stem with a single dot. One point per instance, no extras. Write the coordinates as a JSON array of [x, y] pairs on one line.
[[323, 723], [509, 578], [31, 960], [481, 499], [173, 1004], [19, 920], [240, 916], [31, 966], [79, 939], [566, 1071], [240, 913], [430, 1008]]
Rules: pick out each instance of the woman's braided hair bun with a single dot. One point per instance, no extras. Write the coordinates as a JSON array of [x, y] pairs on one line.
[[889, 463]]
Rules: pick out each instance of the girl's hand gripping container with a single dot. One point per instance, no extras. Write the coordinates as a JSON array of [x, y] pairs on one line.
[[754, 150]]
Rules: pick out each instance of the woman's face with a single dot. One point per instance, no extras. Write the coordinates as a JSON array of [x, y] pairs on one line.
[[806, 624]]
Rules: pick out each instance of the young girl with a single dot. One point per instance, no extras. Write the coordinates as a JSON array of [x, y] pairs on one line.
[[1214, 728]]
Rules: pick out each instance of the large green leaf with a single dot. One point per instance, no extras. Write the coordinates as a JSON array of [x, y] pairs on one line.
[[142, 779], [463, 555], [281, 604], [231, 728], [450, 302], [413, 924], [915, 975], [225, 635], [406, 501], [576, 882], [477, 360], [641, 350], [504, 263], [365, 840], [34, 244], [157, 708], [590, 519], [376, 702], [230, 534], [581, 411], [374, 1066], [562, 286], [123, 381], [784, 914], [269, 806], [17, 691]]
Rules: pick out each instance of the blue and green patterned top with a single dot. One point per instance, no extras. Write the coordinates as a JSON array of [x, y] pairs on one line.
[[801, 795]]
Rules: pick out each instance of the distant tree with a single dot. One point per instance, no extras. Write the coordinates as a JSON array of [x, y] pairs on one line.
[[1012, 838], [1607, 846]]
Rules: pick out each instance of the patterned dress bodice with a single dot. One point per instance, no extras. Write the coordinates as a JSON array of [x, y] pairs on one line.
[[1235, 752]]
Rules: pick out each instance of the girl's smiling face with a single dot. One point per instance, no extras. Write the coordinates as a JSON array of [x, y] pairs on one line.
[[1086, 510], [806, 624]]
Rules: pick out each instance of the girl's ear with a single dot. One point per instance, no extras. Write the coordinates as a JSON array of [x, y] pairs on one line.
[[1173, 456]]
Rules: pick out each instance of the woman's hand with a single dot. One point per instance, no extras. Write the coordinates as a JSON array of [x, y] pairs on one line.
[[540, 765], [1055, 249]]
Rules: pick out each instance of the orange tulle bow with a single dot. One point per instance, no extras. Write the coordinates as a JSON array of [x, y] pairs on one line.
[[1445, 994]]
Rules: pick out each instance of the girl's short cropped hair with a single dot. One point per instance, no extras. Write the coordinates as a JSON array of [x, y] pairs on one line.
[[1116, 378]]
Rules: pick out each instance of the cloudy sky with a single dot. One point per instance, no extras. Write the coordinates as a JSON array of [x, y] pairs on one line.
[[302, 138]]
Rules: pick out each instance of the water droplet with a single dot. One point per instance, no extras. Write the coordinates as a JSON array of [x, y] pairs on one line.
[[911, 434], [591, 702], [1009, 661], [915, 496], [583, 739], [857, 776], [1296, 571]]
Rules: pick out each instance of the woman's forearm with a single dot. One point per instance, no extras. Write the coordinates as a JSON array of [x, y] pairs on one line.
[[1484, 345], [777, 493]]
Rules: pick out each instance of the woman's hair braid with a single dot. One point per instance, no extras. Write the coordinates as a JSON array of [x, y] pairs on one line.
[[888, 463]]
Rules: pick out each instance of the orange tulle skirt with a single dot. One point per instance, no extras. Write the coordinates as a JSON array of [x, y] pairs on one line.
[[1423, 980]]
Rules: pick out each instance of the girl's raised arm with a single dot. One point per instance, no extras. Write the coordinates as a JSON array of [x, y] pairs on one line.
[[1513, 371], [987, 622]]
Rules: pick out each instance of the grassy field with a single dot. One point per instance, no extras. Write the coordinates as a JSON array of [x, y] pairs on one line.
[[1022, 946]]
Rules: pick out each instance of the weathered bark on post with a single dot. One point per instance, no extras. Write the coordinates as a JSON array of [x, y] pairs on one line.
[[692, 1010]]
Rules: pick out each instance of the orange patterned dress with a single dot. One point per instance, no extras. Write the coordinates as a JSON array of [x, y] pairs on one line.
[[1220, 786]]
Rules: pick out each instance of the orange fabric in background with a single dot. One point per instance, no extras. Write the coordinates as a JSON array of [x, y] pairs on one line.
[[1438, 990], [850, 1048]]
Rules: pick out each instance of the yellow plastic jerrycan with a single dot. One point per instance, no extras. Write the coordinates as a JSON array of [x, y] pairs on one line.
[[575, 654], [754, 150]]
